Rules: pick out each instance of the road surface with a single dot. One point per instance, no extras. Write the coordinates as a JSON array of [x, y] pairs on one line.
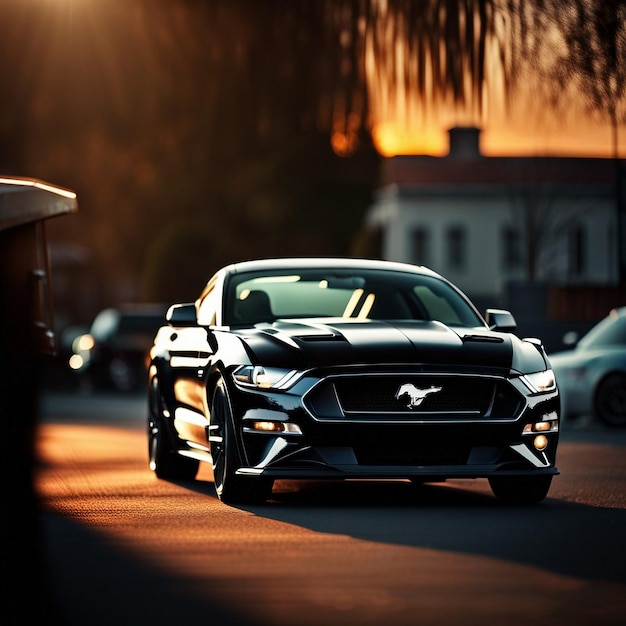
[[123, 547]]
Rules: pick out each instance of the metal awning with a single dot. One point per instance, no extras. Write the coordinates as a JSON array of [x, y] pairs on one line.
[[26, 200]]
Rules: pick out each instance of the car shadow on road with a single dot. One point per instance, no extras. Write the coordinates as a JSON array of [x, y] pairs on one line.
[[563, 537], [93, 580]]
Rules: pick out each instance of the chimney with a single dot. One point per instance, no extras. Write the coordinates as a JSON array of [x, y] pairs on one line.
[[464, 142]]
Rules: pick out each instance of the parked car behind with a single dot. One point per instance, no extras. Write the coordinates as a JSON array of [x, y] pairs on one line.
[[592, 377], [113, 354]]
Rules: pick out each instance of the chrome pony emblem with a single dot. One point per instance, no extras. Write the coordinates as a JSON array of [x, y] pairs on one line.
[[415, 396]]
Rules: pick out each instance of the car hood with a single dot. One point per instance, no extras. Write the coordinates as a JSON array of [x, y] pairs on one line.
[[315, 343]]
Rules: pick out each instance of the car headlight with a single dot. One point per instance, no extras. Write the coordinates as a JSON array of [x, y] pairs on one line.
[[265, 377], [540, 382]]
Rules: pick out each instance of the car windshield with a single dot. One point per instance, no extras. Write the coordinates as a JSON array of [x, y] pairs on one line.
[[255, 297], [611, 331]]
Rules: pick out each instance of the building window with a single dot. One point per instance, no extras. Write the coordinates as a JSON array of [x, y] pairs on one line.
[[576, 251], [511, 249], [420, 244], [456, 247]]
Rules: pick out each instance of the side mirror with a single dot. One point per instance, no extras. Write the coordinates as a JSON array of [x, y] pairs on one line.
[[182, 315], [500, 320]]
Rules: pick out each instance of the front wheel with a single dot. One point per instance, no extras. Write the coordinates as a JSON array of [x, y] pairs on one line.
[[230, 488], [164, 459], [611, 400], [520, 489]]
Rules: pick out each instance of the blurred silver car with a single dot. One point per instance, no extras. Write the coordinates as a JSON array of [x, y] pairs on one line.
[[592, 377]]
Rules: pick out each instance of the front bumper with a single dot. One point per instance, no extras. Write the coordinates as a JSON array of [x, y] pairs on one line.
[[394, 446]]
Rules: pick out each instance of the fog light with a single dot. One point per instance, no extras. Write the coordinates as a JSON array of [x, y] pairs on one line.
[[277, 427], [544, 426], [272, 427], [541, 442]]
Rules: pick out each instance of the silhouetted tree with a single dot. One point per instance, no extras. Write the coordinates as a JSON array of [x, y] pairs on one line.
[[251, 118], [593, 64]]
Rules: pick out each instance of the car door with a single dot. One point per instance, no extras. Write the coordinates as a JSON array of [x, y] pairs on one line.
[[192, 350]]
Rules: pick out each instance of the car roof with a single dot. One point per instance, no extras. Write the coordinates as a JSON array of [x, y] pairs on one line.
[[325, 263]]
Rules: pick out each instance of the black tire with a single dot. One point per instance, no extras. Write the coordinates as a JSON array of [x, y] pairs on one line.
[[610, 400], [164, 459], [520, 489], [230, 488]]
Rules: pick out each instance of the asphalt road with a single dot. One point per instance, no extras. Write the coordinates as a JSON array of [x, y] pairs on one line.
[[123, 547]]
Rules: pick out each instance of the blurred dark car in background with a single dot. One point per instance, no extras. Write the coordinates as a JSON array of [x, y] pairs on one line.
[[113, 354], [592, 376]]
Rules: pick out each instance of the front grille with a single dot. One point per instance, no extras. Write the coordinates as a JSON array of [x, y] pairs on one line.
[[421, 396]]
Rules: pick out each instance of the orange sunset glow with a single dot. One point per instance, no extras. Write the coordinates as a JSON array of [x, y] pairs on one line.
[[516, 118], [582, 137], [524, 127]]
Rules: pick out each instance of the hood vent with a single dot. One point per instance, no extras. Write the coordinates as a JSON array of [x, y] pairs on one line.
[[481, 339], [315, 338]]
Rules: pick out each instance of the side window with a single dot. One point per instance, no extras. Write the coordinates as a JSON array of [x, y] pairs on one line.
[[609, 332]]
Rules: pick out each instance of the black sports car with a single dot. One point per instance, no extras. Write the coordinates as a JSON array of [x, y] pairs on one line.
[[344, 368]]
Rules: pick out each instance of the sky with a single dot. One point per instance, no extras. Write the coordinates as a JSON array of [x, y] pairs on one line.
[[581, 137]]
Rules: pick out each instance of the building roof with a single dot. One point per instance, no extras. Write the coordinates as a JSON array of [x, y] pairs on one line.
[[465, 165], [26, 200]]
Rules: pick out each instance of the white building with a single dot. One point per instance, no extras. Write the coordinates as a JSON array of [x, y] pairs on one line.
[[485, 222]]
